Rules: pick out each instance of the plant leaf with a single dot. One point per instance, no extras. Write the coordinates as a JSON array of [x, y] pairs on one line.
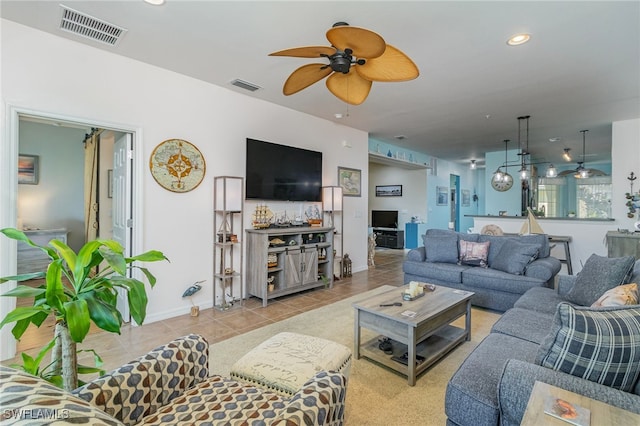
[[24, 291], [54, 291], [23, 277], [103, 314], [20, 313], [116, 260], [150, 256], [17, 235], [78, 319], [137, 300]]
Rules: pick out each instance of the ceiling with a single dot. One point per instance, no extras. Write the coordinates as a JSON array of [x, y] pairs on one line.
[[581, 69]]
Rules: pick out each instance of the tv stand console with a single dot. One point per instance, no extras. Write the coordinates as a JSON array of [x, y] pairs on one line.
[[389, 237]]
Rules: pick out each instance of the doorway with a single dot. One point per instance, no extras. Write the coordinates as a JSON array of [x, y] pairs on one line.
[[454, 218], [9, 191]]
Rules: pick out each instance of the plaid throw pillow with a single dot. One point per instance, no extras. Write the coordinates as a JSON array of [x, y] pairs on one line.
[[601, 345]]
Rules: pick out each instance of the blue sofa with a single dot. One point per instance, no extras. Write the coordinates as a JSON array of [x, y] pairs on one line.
[[508, 274], [493, 384]]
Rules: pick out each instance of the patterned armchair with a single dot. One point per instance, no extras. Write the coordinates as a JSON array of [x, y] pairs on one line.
[[170, 385]]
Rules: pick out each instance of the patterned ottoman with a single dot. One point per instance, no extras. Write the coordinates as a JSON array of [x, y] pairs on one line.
[[286, 361]]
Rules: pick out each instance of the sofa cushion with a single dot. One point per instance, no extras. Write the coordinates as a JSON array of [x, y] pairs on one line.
[[440, 272], [441, 248], [598, 275], [597, 344], [498, 281], [37, 400], [540, 299], [525, 324], [621, 295], [471, 395], [473, 254], [514, 257]]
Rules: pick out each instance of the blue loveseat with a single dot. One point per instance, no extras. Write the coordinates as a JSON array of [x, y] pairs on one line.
[[514, 264]]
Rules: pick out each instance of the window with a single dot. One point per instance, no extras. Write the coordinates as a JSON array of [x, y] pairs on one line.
[[550, 195], [593, 197]]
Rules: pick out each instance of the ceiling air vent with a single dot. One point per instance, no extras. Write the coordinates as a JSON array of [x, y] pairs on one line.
[[89, 27], [245, 85]]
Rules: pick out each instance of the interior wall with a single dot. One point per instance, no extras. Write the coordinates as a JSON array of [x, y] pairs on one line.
[[413, 201], [54, 78], [625, 155], [57, 201]]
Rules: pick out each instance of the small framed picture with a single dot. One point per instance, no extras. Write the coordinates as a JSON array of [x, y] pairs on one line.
[[388, 190], [442, 195], [28, 169], [350, 180], [466, 197]]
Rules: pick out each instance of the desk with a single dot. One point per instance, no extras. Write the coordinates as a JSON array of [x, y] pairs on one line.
[[567, 253], [601, 413]]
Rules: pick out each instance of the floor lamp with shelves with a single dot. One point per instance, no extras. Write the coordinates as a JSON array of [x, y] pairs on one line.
[[332, 197], [228, 194]]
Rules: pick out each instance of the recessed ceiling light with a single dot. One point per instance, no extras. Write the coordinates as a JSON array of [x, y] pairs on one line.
[[338, 115], [155, 2], [518, 39], [554, 139], [400, 137]]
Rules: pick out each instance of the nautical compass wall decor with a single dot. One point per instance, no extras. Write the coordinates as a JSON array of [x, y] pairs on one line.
[[177, 165]]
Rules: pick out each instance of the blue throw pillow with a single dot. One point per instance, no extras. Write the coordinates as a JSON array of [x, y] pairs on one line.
[[441, 248], [514, 257], [597, 344], [598, 275]]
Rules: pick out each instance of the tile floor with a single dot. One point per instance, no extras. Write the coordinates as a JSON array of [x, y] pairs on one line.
[[216, 325]]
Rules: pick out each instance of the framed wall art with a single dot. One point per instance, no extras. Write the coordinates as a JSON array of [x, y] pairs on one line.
[[466, 197], [388, 190], [442, 195], [351, 181], [28, 169]]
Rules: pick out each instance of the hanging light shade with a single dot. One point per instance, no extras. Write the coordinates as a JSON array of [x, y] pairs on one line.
[[581, 171], [473, 165], [524, 172], [499, 175], [551, 171], [567, 154]]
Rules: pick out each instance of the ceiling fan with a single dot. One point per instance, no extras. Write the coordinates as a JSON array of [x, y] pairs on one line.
[[581, 171], [351, 48]]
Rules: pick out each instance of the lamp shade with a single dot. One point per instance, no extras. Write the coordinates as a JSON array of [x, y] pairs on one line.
[[332, 198], [228, 193]]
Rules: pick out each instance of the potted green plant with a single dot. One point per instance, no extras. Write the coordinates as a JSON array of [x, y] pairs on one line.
[[571, 214], [77, 293]]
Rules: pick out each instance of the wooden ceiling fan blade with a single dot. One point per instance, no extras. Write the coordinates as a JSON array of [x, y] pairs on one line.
[[364, 43], [350, 88], [393, 65], [306, 52], [304, 77]]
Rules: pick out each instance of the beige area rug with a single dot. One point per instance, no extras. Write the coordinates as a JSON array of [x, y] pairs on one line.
[[375, 395]]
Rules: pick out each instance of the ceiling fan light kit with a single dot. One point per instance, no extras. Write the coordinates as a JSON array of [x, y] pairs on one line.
[[357, 57]]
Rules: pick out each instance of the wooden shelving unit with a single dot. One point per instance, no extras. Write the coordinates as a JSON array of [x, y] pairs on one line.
[[304, 260]]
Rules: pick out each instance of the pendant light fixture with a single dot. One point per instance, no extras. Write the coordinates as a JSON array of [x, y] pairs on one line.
[[524, 171], [551, 171], [581, 171], [473, 165], [499, 175]]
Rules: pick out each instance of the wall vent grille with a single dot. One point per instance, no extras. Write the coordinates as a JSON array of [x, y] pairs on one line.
[[245, 85], [89, 27]]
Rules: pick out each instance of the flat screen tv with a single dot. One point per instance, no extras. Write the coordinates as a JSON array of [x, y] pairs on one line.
[[283, 173], [384, 219]]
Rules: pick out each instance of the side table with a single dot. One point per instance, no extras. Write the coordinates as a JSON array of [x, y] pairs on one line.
[[601, 413]]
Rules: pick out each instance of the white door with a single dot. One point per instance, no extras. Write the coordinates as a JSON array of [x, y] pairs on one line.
[[122, 205]]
